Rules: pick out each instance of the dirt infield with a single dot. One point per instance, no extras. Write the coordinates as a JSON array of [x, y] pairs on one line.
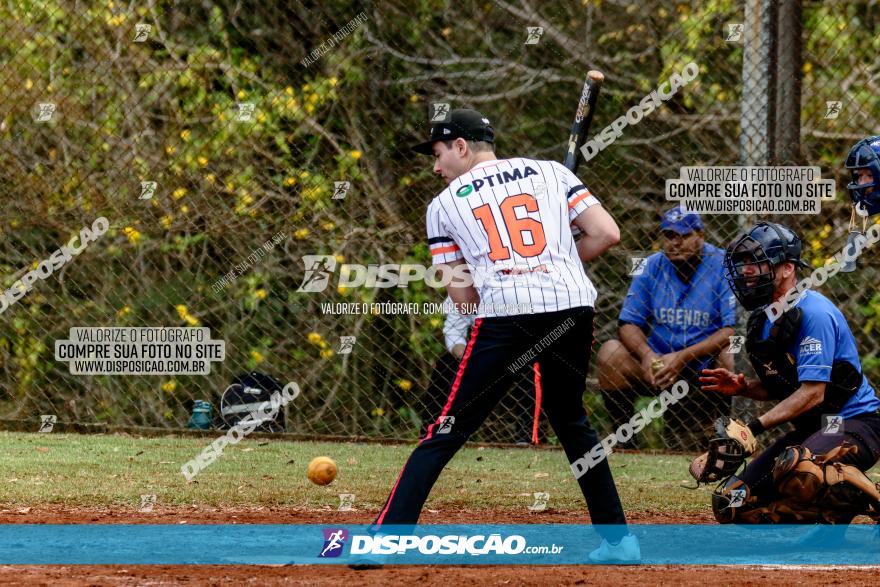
[[406, 575], [393, 575], [266, 515]]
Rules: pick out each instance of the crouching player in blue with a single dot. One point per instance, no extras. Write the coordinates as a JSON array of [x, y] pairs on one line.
[[806, 359], [863, 162]]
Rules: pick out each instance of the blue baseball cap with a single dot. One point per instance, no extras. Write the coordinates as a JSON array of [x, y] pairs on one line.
[[680, 222]]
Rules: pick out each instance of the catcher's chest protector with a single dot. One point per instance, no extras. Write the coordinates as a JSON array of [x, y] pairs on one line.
[[777, 368]]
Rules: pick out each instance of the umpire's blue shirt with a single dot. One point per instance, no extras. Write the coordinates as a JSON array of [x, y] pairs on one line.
[[825, 337], [680, 314]]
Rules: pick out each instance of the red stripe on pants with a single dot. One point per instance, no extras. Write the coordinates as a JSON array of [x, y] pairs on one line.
[[537, 403], [455, 384]]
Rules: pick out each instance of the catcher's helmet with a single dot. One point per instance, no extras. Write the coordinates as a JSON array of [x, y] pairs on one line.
[[865, 155], [767, 242]]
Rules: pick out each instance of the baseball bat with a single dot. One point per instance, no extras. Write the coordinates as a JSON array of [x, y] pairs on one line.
[[582, 119]]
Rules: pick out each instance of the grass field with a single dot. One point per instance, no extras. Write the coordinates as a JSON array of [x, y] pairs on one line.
[[115, 470], [71, 478]]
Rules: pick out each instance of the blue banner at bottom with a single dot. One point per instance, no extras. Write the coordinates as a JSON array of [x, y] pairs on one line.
[[475, 544]]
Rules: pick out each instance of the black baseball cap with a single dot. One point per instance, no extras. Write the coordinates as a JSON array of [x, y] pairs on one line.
[[462, 123]]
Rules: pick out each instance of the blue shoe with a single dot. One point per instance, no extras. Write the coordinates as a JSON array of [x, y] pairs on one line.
[[825, 537], [626, 551]]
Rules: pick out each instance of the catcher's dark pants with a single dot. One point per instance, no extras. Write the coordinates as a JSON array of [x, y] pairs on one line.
[[498, 347], [863, 431]]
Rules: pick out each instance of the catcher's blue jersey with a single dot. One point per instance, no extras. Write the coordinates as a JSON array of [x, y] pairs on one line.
[[680, 314], [825, 337]]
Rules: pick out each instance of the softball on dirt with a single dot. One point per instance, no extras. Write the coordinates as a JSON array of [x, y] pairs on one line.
[[322, 470]]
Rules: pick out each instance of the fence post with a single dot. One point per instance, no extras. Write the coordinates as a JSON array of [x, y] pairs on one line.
[[757, 121], [758, 110], [788, 83]]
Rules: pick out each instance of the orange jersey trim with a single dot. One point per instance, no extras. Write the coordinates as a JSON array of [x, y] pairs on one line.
[[441, 250], [574, 202]]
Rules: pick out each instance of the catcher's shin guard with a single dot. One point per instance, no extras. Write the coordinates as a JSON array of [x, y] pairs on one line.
[[733, 503], [731, 499], [831, 493]]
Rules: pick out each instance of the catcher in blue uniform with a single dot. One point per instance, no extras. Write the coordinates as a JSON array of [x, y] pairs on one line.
[[863, 163], [806, 359]]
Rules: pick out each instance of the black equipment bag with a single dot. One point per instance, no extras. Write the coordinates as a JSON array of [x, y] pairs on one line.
[[248, 394]]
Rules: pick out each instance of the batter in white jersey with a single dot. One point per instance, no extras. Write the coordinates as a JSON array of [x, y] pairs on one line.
[[510, 221]]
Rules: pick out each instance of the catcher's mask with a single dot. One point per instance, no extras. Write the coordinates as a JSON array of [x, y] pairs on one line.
[[768, 244], [865, 155]]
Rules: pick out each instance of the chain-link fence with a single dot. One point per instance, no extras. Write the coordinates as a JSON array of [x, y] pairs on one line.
[[223, 142]]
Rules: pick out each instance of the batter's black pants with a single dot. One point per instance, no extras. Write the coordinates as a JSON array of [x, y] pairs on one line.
[[519, 404], [498, 348]]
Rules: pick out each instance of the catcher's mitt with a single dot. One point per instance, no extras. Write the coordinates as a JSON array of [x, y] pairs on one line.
[[732, 443]]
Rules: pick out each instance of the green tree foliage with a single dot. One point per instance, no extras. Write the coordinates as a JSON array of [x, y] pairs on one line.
[[167, 110]]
